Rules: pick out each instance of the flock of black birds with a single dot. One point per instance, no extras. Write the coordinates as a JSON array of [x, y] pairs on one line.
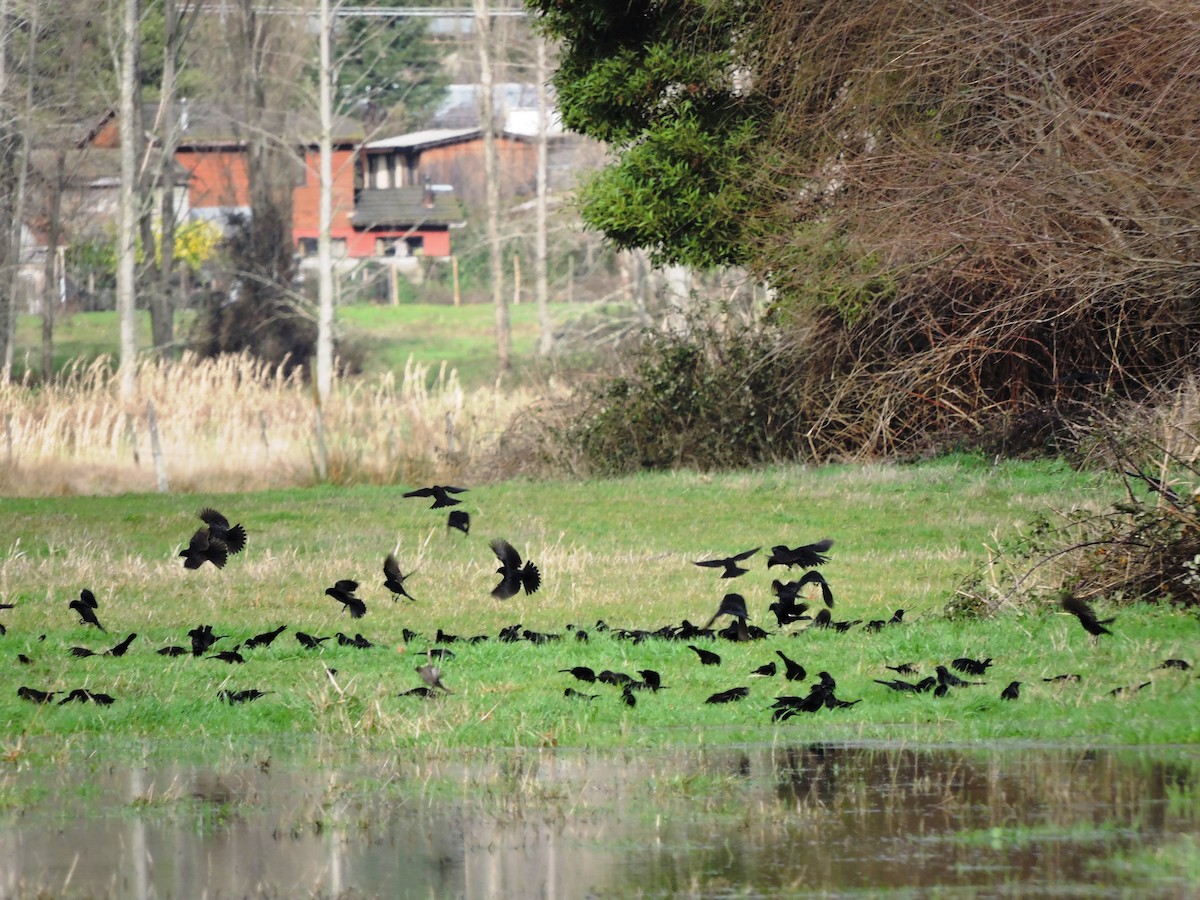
[[218, 540]]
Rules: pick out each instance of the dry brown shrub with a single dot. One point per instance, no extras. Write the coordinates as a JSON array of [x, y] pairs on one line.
[[234, 424], [983, 209]]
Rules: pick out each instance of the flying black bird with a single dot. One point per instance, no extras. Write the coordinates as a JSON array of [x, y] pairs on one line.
[[432, 676], [731, 605], [232, 536], [792, 671], [264, 639], [806, 556], [460, 519], [244, 696], [766, 671], [343, 592], [85, 607], [230, 656], [440, 494], [789, 611], [1087, 618], [730, 696], [202, 638], [707, 657], [583, 673], [202, 548], [573, 694], [309, 642], [119, 649], [969, 666], [393, 578], [33, 695], [1012, 692], [513, 576], [815, 577], [729, 563]]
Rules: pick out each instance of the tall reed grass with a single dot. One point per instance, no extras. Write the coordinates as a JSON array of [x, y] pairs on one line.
[[234, 423]]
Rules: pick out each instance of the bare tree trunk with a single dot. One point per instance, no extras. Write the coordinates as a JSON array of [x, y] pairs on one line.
[[50, 288], [487, 115], [126, 262], [324, 375], [10, 223], [540, 275]]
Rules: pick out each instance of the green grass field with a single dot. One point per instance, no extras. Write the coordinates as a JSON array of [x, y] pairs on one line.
[[621, 551]]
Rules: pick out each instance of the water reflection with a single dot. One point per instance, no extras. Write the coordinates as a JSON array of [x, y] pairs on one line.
[[763, 821]]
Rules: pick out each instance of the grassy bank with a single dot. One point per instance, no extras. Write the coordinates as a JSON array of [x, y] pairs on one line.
[[620, 551]]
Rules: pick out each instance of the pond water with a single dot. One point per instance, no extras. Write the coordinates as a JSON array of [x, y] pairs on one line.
[[747, 822]]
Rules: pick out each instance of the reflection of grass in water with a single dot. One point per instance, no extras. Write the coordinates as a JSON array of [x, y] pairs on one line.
[[1022, 837], [1174, 860]]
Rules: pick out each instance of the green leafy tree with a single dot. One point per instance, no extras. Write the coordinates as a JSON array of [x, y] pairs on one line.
[[661, 82]]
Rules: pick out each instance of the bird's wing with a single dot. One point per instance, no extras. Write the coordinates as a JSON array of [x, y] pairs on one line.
[[391, 568], [712, 563], [211, 517], [420, 492], [506, 553], [745, 554], [88, 598]]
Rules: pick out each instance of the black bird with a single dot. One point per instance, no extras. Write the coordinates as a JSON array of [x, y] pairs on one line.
[[264, 639], [393, 578], [343, 592], [1083, 612], [81, 652], [1182, 664], [651, 680], [903, 669], [730, 696], [202, 548], [792, 671], [949, 679], [358, 641], [229, 656], [908, 687], [85, 607], [440, 653], [79, 695], [805, 556], [815, 577], [513, 576], [23, 659], [1012, 692], [583, 673], [244, 696], [823, 619], [1131, 689], [729, 563], [410, 635], [440, 494], [731, 605], [707, 657], [232, 536], [573, 694], [766, 671], [969, 666], [172, 651], [788, 611], [33, 695], [432, 676], [119, 649], [427, 693], [1061, 678], [202, 638], [627, 694], [309, 642], [460, 519], [614, 678], [897, 618]]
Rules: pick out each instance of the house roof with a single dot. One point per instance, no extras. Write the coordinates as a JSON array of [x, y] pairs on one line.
[[405, 207], [420, 140]]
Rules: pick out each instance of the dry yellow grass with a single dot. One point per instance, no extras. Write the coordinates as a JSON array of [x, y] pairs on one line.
[[235, 424]]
